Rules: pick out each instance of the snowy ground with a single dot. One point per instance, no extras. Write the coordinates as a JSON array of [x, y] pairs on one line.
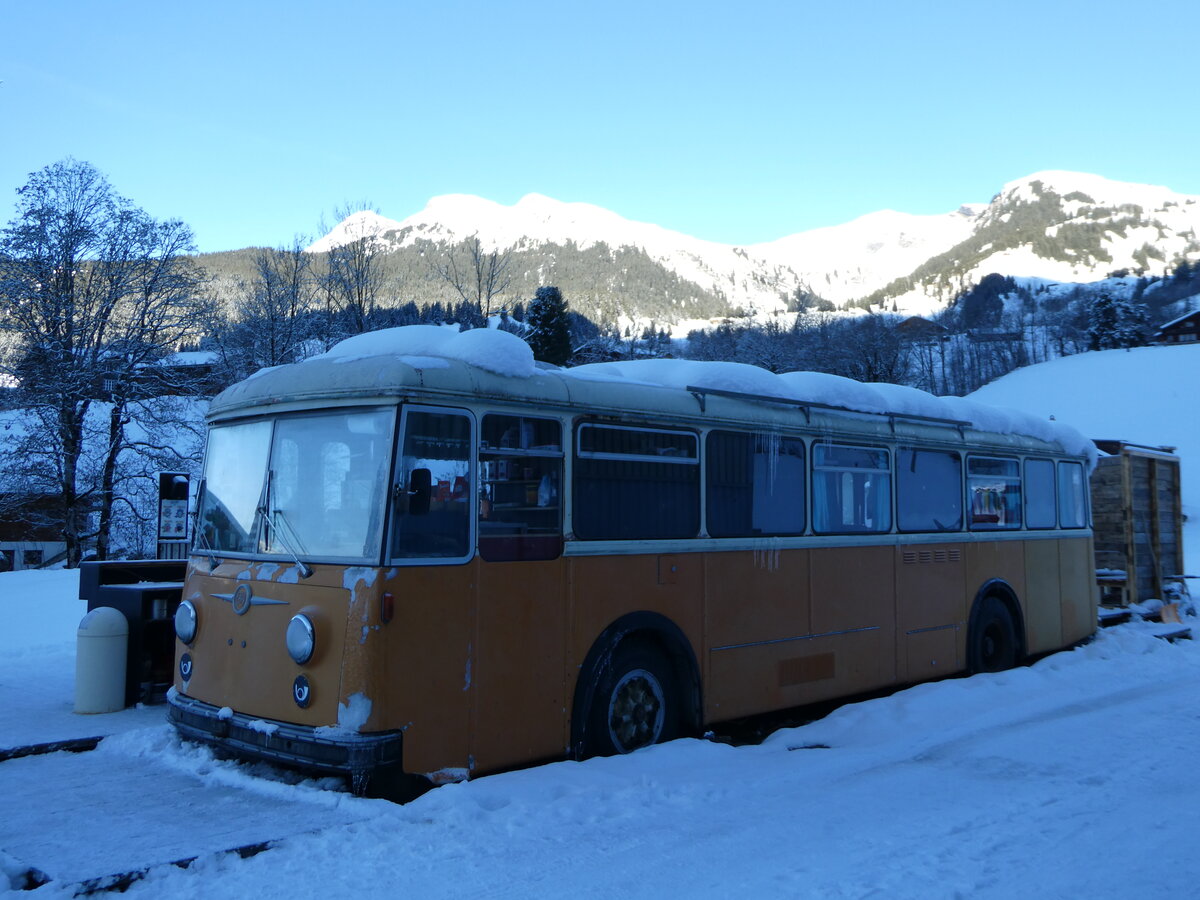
[[1067, 778], [1071, 777]]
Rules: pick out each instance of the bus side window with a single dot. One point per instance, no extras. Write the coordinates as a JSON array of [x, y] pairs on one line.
[[994, 486], [431, 499], [520, 488], [851, 490], [1040, 497], [634, 483], [755, 484], [929, 490], [1072, 495]]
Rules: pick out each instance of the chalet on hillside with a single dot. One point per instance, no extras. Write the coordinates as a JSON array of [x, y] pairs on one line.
[[1184, 330], [918, 330]]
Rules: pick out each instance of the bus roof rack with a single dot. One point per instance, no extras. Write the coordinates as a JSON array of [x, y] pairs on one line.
[[806, 406]]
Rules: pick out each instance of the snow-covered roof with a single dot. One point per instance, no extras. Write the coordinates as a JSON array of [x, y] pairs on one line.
[[488, 363], [1176, 321], [190, 358]]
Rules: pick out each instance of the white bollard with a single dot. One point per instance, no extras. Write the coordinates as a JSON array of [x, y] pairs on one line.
[[100, 653]]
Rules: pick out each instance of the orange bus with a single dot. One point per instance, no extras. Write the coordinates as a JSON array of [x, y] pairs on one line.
[[436, 564]]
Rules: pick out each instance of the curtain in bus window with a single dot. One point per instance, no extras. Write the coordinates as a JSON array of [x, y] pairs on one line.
[[1072, 499], [929, 493], [994, 487], [1041, 500], [755, 484], [852, 491], [431, 518], [626, 489]]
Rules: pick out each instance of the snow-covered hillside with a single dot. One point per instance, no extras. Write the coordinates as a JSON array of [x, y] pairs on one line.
[[1145, 396], [1068, 227], [845, 262], [536, 220]]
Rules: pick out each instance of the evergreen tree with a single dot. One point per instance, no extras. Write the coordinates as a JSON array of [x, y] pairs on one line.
[[1102, 321], [468, 315], [983, 305], [548, 324], [1117, 322], [1133, 322]]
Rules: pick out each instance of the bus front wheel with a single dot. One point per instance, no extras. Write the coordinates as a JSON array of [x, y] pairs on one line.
[[636, 701], [993, 638]]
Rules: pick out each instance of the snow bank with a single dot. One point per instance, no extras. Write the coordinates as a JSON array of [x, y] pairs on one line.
[[41, 610]]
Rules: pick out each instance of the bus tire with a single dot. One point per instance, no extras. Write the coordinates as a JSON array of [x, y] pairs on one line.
[[993, 637], [635, 702]]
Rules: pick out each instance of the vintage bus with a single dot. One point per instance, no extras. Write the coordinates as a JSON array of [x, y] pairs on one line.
[[425, 554]]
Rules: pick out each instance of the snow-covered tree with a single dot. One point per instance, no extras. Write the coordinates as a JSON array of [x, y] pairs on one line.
[[549, 326], [477, 277], [1116, 322], [93, 292], [272, 320]]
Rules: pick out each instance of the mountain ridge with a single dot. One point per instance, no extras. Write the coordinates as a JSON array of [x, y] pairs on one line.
[[1053, 225]]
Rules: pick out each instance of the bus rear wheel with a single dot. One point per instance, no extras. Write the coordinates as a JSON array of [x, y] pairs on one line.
[[636, 702], [993, 638]]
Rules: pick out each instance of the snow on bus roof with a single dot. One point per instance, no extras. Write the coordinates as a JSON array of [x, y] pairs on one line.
[[506, 354], [485, 348]]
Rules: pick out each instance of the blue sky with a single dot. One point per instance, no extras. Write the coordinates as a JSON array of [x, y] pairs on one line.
[[737, 122]]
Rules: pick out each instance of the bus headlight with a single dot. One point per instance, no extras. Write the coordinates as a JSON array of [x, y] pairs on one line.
[[301, 639], [186, 621]]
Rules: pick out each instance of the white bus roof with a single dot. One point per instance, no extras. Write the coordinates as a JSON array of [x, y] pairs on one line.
[[442, 363]]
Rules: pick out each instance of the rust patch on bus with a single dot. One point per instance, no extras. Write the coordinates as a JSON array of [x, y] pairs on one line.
[[802, 669]]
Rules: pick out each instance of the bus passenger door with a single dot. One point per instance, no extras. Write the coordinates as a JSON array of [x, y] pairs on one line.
[[432, 579], [519, 709]]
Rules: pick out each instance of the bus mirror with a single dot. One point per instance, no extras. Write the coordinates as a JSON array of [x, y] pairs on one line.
[[420, 488]]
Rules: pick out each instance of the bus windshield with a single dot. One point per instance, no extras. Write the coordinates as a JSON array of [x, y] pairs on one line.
[[311, 486]]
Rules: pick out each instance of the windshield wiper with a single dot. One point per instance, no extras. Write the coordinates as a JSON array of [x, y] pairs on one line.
[[287, 533]]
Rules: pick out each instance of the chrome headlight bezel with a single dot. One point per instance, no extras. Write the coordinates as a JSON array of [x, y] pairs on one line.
[[187, 622], [301, 639]]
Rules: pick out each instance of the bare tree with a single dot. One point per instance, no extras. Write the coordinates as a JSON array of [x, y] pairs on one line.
[[272, 318], [355, 279], [92, 292], [477, 276]]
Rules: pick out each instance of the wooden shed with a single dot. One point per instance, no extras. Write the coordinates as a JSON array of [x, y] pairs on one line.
[[1137, 518]]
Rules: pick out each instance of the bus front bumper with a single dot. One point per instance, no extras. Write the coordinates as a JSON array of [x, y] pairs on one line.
[[314, 749]]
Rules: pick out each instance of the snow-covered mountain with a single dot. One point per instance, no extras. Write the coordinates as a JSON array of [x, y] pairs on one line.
[[1060, 227], [846, 262], [1053, 226], [536, 222]]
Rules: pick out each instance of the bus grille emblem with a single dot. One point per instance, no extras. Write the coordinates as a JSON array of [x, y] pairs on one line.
[[243, 598]]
